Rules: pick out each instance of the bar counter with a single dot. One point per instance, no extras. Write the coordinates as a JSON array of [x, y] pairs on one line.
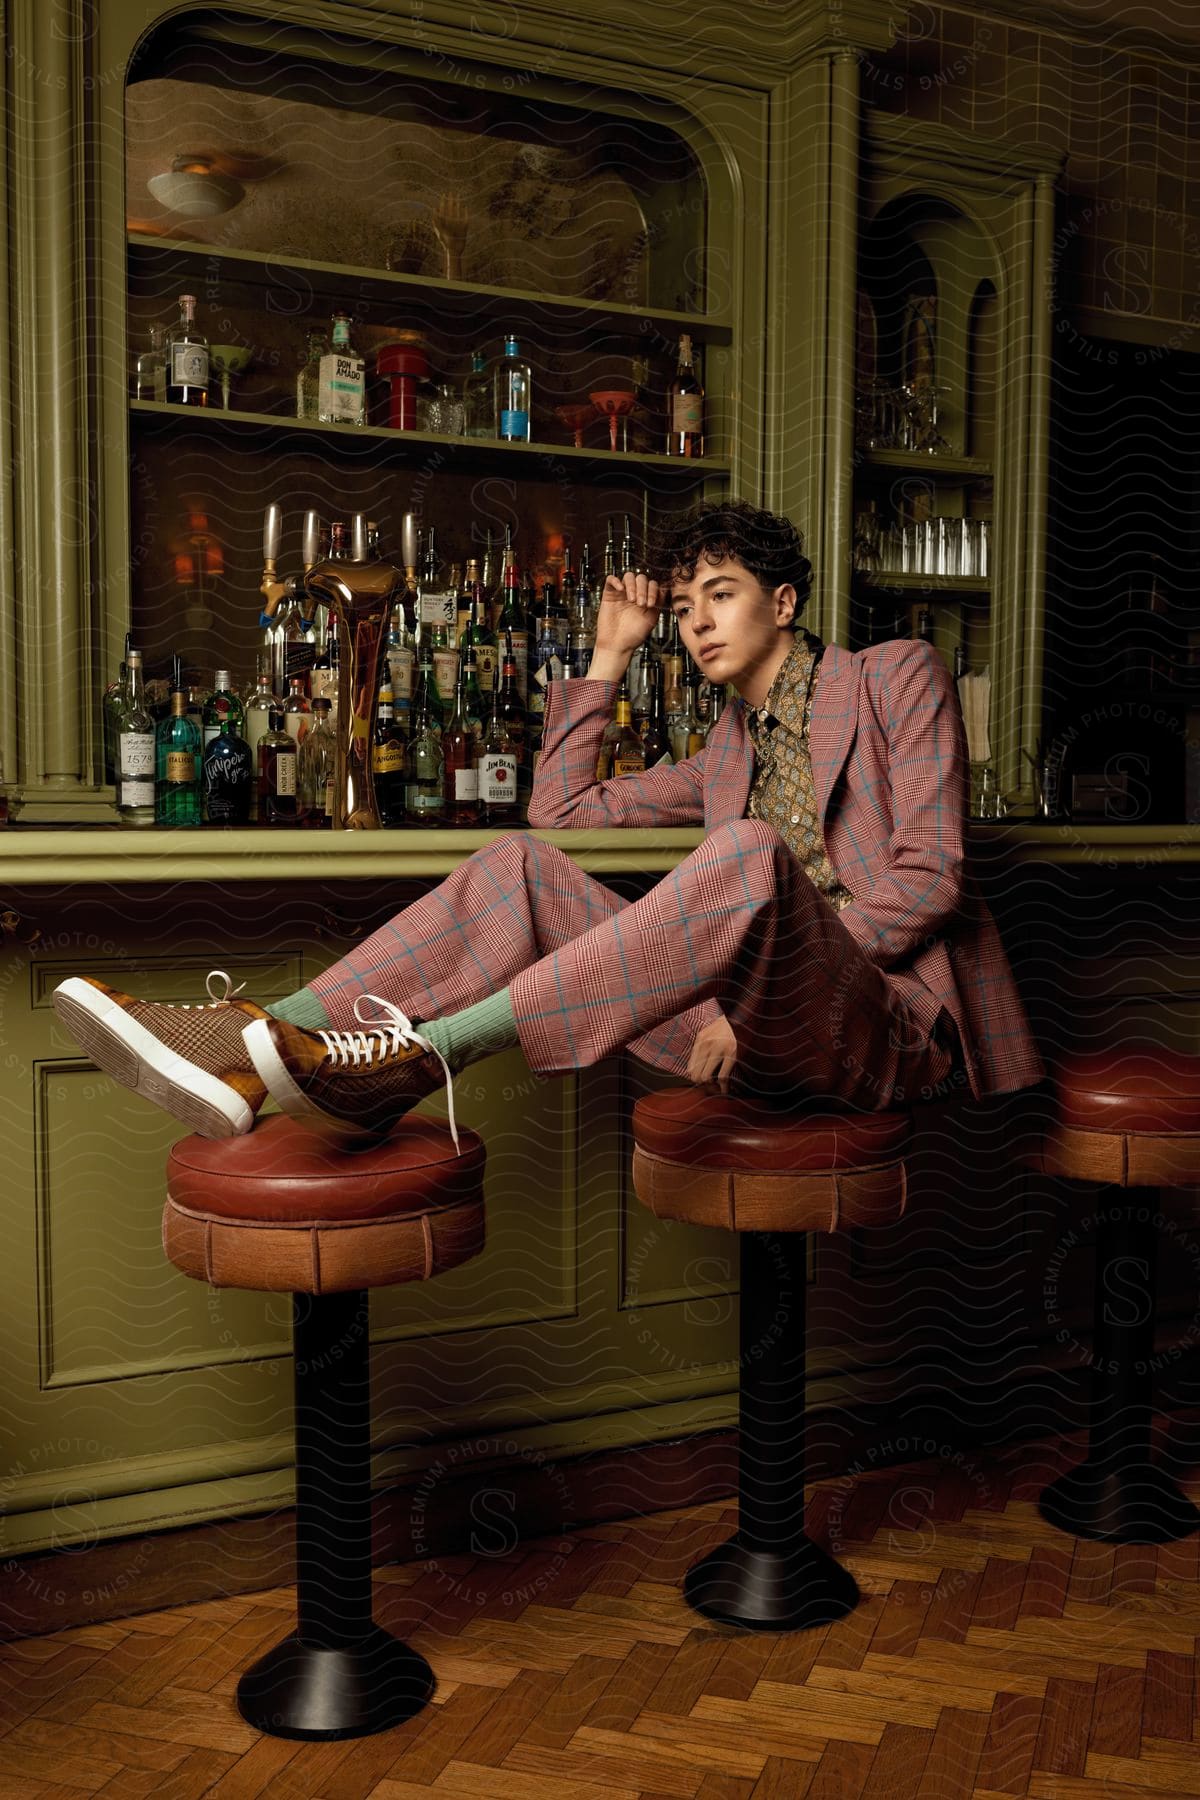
[[47, 855]]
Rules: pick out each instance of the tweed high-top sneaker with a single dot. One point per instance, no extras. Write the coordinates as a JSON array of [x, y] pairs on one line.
[[190, 1060], [358, 1080]]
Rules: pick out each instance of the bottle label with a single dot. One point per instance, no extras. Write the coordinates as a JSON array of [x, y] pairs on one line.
[[189, 365], [135, 791], [438, 609], [402, 667], [466, 784], [687, 413], [514, 424], [329, 798], [340, 388], [629, 763], [322, 684], [299, 655], [486, 667], [181, 765], [445, 673], [137, 755], [388, 759], [285, 776], [520, 645], [422, 799], [498, 778]]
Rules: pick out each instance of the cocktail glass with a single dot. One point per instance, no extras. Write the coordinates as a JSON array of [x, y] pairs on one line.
[[228, 361], [574, 417], [615, 404]]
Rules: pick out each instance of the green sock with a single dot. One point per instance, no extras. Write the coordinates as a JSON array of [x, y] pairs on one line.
[[480, 1030], [303, 1009]]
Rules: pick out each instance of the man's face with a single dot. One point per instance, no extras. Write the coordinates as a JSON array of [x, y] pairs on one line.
[[733, 628]]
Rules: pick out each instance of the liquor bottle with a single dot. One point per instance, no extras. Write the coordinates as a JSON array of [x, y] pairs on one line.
[[610, 550], [341, 377], [487, 574], [583, 620], [402, 665], [510, 625], [227, 776], [628, 551], [498, 766], [135, 749], [113, 704], [296, 711], [656, 741], [513, 392], [426, 698], [639, 685], [460, 751], [621, 750], [478, 402], [718, 694], [177, 767], [261, 703], [150, 381], [308, 375], [685, 406], [687, 735], [674, 691], [316, 769], [222, 704], [187, 358], [547, 664], [277, 797], [512, 710], [322, 677], [529, 596], [423, 772], [482, 641], [465, 592], [388, 761], [437, 610]]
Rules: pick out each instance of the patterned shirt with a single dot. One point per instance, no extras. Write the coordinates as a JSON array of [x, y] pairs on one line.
[[782, 793]]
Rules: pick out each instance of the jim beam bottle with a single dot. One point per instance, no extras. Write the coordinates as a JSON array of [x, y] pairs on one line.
[[500, 761]]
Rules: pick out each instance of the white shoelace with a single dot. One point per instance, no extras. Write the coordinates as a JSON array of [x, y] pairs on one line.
[[380, 1038], [214, 999]]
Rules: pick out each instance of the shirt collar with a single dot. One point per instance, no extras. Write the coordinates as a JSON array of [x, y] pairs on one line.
[[796, 670]]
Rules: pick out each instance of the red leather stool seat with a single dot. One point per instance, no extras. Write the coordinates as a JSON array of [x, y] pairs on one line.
[[288, 1208], [714, 1160], [1126, 1117]]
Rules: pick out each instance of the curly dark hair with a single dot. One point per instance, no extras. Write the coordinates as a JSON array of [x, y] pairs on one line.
[[764, 542]]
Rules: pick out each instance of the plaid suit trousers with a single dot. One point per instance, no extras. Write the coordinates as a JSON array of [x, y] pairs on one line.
[[737, 927]]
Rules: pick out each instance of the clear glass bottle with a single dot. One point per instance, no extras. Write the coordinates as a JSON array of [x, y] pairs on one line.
[[177, 767], [513, 395], [223, 703], [424, 772], [687, 734], [341, 377], [499, 761], [388, 761], [227, 776], [685, 406], [308, 375], [316, 769], [150, 381], [656, 741], [478, 402], [402, 664], [113, 704], [297, 713], [278, 802], [135, 750], [187, 358], [510, 625], [460, 754]]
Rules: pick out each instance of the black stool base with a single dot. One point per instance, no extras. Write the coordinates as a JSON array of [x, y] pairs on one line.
[[302, 1691], [770, 1590], [1138, 1505]]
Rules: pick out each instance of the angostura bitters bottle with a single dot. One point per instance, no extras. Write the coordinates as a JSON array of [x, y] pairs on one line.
[[177, 767], [277, 798], [460, 750], [388, 761]]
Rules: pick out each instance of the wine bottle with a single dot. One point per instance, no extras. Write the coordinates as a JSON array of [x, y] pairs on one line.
[[685, 406], [135, 749]]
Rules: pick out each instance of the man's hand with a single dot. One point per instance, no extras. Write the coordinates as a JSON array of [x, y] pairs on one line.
[[713, 1054], [629, 607]]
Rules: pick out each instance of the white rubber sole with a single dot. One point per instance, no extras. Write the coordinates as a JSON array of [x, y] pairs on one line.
[[273, 1072], [136, 1059]]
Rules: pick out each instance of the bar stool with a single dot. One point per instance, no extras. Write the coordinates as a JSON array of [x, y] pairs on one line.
[[1127, 1119], [772, 1177], [287, 1209]]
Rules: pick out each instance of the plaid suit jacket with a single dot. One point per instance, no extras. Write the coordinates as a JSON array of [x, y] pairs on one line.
[[889, 763]]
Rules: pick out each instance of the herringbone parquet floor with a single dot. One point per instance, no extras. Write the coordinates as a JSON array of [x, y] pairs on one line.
[[990, 1656]]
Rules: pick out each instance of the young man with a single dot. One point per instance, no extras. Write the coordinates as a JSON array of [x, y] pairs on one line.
[[822, 942]]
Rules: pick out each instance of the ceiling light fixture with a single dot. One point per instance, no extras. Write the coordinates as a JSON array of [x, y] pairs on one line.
[[193, 190]]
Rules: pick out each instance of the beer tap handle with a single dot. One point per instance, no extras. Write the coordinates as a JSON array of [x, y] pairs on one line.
[[359, 551], [310, 540], [270, 587]]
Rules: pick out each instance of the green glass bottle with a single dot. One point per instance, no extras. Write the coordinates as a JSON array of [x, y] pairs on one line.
[[177, 767]]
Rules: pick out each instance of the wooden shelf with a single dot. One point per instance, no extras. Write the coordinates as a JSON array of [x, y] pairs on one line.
[[175, 258], [488, 452], [938, 468]]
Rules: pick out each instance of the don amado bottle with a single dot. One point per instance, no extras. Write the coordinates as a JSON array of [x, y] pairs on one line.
[[513, 391], [341, 379], [278, 799], [177, 767], [685, 406], [227, 776], [134, 756], [187, 358]]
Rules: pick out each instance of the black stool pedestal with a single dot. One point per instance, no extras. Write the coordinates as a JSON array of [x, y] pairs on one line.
[[770, 1576], [1117, 1494], [338, 1675]]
